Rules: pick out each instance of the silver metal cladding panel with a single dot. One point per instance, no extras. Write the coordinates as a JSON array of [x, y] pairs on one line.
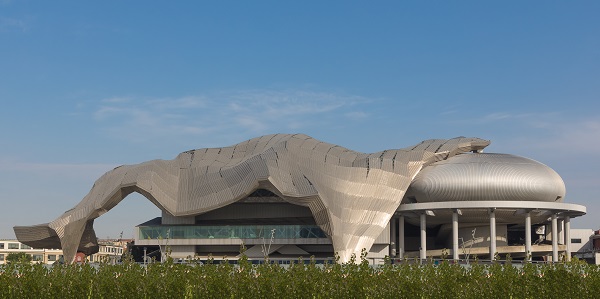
[[483, 176], [351, 195]]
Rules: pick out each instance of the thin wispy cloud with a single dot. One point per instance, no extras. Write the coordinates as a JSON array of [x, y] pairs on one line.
[[470, 116], [357, 115], [13, 24], [579, 137], [286, 103], [57, 169], [552, 135], [448, 112], [108, 111], [179, 103], [252, 111], [499, 116], [117, 100]]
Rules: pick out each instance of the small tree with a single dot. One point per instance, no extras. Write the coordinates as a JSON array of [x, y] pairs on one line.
[[16, 257]]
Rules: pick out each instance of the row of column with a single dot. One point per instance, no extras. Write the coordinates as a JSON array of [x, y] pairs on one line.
[[493, 250]]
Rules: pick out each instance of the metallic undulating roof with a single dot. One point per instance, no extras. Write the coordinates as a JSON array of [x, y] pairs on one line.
[[351, 195], [483, 176]]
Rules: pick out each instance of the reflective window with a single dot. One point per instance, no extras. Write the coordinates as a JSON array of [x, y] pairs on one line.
[[38, 257], [575, 240], [232, 232], [52, 257], [13, 245], [1, 257], [23, 246], [1, 245]]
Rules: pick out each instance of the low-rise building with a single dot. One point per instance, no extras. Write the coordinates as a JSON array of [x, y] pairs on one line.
[[46, 256], [585, 245], [110, 250]]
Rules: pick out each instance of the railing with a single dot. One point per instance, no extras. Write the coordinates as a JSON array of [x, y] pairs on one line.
[[231, 232]]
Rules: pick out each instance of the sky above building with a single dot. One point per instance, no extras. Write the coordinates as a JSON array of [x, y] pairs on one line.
[[87, 86]]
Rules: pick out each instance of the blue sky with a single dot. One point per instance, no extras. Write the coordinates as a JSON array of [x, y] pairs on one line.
[[87, 86]]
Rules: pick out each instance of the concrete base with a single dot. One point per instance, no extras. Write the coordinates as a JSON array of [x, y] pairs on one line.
[[378, 251], [482, 236], [482, 252], [182, 252]]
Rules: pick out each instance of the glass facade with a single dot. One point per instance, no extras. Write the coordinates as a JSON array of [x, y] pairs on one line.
[[231, 232]]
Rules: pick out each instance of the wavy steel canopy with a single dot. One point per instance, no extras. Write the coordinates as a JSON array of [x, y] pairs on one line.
[[351, 195]]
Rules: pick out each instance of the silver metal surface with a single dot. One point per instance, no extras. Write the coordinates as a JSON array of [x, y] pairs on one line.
[[556, 207], [351, 195], [483, 176]]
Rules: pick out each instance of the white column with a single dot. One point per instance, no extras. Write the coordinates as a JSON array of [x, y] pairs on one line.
[[393, 236], [455, 235], [492, 233], [568, 237], [559, 232], [554, 239], [528, 236], [423, 249], [401, 237]]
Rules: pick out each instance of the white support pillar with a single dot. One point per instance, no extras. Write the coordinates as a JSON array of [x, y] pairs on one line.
[[554, 239], [568, 237], [423, 249], [528, 236], [560, 232], [401, 237], [492, 233], [455, 235], [393, 236]]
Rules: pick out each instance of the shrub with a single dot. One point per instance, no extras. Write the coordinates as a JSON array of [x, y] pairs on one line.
[[300, 280]]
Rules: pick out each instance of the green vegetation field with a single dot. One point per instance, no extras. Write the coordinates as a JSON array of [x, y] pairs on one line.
[[352, 280]]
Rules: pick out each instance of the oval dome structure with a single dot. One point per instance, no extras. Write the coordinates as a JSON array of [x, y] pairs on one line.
[[486, 176]]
